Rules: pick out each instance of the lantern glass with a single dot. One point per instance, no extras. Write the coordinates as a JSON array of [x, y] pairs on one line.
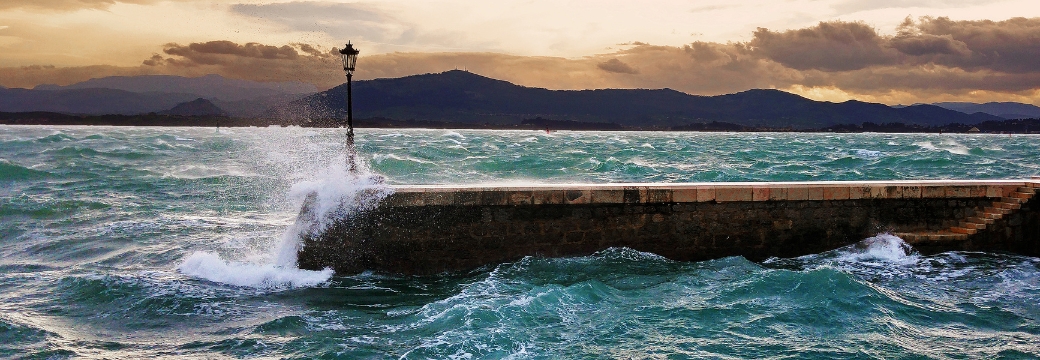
[[349, 54]]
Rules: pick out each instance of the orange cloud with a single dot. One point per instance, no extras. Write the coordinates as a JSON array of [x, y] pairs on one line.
[[928, 58]]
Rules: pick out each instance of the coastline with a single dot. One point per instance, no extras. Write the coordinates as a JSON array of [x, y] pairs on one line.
[[1013, 126]]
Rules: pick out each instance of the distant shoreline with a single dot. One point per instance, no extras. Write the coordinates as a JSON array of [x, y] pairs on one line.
[[1018, 126]]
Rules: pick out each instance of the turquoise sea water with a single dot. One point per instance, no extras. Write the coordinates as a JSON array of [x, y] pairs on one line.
[[168, 242]]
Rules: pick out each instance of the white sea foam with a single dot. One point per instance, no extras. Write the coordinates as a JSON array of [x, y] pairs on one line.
[[380, 158], [867, 153], [209, 266], [948, 145], [453, 134], [328, 196], [883, 247]]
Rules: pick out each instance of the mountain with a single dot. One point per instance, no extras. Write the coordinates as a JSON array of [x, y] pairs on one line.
[[209, 86], [461, 96], [197, 107], [1007, 110], [152, 93], [251, 108], [88, 101]]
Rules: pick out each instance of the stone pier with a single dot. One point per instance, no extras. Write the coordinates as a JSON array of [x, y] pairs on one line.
[[428, 229]]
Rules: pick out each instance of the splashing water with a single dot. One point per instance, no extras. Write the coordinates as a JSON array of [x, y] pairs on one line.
[[883, 248], [100, 225], [209, 266], [332, 195]]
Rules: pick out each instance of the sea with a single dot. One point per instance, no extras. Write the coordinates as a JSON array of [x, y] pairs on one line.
[[158, 242]]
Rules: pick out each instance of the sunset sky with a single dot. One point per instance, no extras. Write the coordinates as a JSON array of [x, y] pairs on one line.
[[884, 51]]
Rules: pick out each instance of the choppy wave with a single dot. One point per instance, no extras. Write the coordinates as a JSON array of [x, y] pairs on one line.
[[180, 242], [13, 172]]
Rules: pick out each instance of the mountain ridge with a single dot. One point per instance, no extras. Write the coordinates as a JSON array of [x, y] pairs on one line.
[[210, 86], [1007, 110], [130, 95], [197, 107], [88, 101], [466, 97]]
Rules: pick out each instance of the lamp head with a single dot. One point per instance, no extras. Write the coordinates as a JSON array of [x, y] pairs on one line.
[[349, 54]]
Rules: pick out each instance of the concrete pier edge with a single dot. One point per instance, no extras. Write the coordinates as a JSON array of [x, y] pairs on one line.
[[428, 229], [649, 193]]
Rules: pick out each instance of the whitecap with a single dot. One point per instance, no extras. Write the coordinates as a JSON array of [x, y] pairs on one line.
[[883, 247], [867, 153], [453, 134], [209, 266]]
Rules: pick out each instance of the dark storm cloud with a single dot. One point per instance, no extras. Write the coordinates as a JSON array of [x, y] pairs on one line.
[[1007, 46], [212, 52], [253, 61], [927, 44], [829, 46], [616, 66], [1011, 45]]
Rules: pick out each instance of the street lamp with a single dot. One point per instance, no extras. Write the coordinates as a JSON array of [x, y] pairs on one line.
[[350, 54]]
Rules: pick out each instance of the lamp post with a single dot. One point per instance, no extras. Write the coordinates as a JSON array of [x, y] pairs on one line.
[[350, 54]]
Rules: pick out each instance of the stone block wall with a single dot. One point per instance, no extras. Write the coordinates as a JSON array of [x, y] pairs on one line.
[[432, 229]]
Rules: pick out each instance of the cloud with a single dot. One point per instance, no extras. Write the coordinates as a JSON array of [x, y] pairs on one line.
[[336, 19], [852, 6], [358, 22], [927, 44], [616, 66], [829, 46], [210, 52], [1011, 45], [937, 59], [67, 5]]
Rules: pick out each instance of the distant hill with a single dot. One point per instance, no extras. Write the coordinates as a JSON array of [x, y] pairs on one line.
[[1007, 110], [88, 101], [209, 86], [197, 107], [152, 93], [460, 96], [251, 108]]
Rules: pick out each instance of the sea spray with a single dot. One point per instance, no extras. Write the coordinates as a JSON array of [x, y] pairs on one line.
[[330, 198], [332, 195], [883, 256], [882, 247], [210, 266]]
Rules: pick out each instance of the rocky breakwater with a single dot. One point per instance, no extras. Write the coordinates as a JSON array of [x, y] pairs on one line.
[[431, 229]]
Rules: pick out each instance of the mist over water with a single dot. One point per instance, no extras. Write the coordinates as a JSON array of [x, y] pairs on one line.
[[179, 242]]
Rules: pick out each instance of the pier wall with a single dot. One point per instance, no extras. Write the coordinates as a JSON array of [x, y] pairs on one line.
[[432, 229]]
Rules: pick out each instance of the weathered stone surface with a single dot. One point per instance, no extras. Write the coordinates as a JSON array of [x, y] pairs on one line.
[[706, 193], [424, 230]]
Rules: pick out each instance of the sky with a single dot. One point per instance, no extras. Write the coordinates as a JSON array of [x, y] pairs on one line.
[[894, 52]]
